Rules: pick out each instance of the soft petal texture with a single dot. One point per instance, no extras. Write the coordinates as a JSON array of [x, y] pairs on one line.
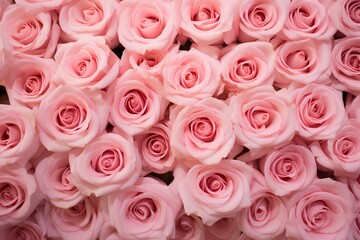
[[6, 59], [26, 230], [41, 5], [189, 227], [345, 16], [224, 229]]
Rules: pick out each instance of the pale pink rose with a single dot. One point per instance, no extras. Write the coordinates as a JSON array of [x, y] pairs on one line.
[[30, 81], [324, 210], [86, 18], [267, 216], [340, 153], [345, 16], [202, 132], [289, 168], [353, 108], [308, 19], [3, 5], [353, 184], [70, 117], [208, 21], [188, 227], [155, 150], [148, 210], [26, 230], [320, 111], [261, 19], [135, 103], [54, 180], [303, 61], [248, 65], [262, 117], [6, 59], [147, 26], [41, 5], [19, 195], [345, 63], [86, 63], [189, 77], [30, 33], [356, 227], [216, 191], [18, 137], [224, 229], [82, 221]]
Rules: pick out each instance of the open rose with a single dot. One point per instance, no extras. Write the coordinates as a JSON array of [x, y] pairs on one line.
[[41, 5], [353, 184], [202, 132], [70, 117], [345, 16], [146, 26], [189, 227], [26, 230]]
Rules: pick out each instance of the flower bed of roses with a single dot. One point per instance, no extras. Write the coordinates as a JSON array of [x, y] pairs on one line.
[[183, 119]]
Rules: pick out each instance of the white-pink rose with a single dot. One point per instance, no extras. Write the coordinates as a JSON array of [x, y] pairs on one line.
[[345, 16]]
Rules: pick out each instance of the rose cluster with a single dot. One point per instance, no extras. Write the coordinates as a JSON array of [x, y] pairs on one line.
[[180, 119]]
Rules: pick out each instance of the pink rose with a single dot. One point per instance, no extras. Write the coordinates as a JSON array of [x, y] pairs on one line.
[[86, 18], [86, 63], [356, 228], [189, 227], [208, 21], [262, 117], [289, 168], [319, 110], [26, 230], [353, 108], [202, 132], [3, 5], [248, 65], [224, 229], [18, 138], [54, 180], [308, 19], [261, 19], [19, 195], [30, 81], [147, 209], [135, 103], [353, 184], [345, 16], [216, 191], [324, 210], [189, 77], [303, 61], [155, 150], [30, 33], [41, 5], [70, 117], [345, 63], [146, 26], [6, 59]]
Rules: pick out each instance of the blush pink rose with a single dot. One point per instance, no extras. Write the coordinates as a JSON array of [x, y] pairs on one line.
[[26, 230], [353, 108], [41, 5], [356, 228], [261, 19], [324, 210], [3, 5], [18, 137], [262, 117], [319, 110], [6, 59], [189, 77], [146, 26], [207, 21], [353, 184], [202, 132], [189, 227], [248, 65], [86, 63], [70, 117], [216, 191], [345, 16], [345, 65], [30, 33], [86, 18], [54, 180], [147, 209], [223, 229]]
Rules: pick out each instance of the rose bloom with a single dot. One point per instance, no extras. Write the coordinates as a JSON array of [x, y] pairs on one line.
[[19, 195], [146, 26], [248, 65], [86, 63], [86, 18], [18, 138], [216, 191], [262, 117], [3, 5], [324, 210], [202, 132], [41, 5], [70, 117], [30, 81], [353, 108], [135, 104], [308, 19], [304, 61], [189, 77], [345, 16], [188, 227], [26, 230], [6, 59], [261, 19], [208, 21], [223, 229], [345, 66], [148, 210], [356, 228], [30, 33], [353, 184]]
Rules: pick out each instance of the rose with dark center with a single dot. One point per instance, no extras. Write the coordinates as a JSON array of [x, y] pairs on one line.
[[188, 227]]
